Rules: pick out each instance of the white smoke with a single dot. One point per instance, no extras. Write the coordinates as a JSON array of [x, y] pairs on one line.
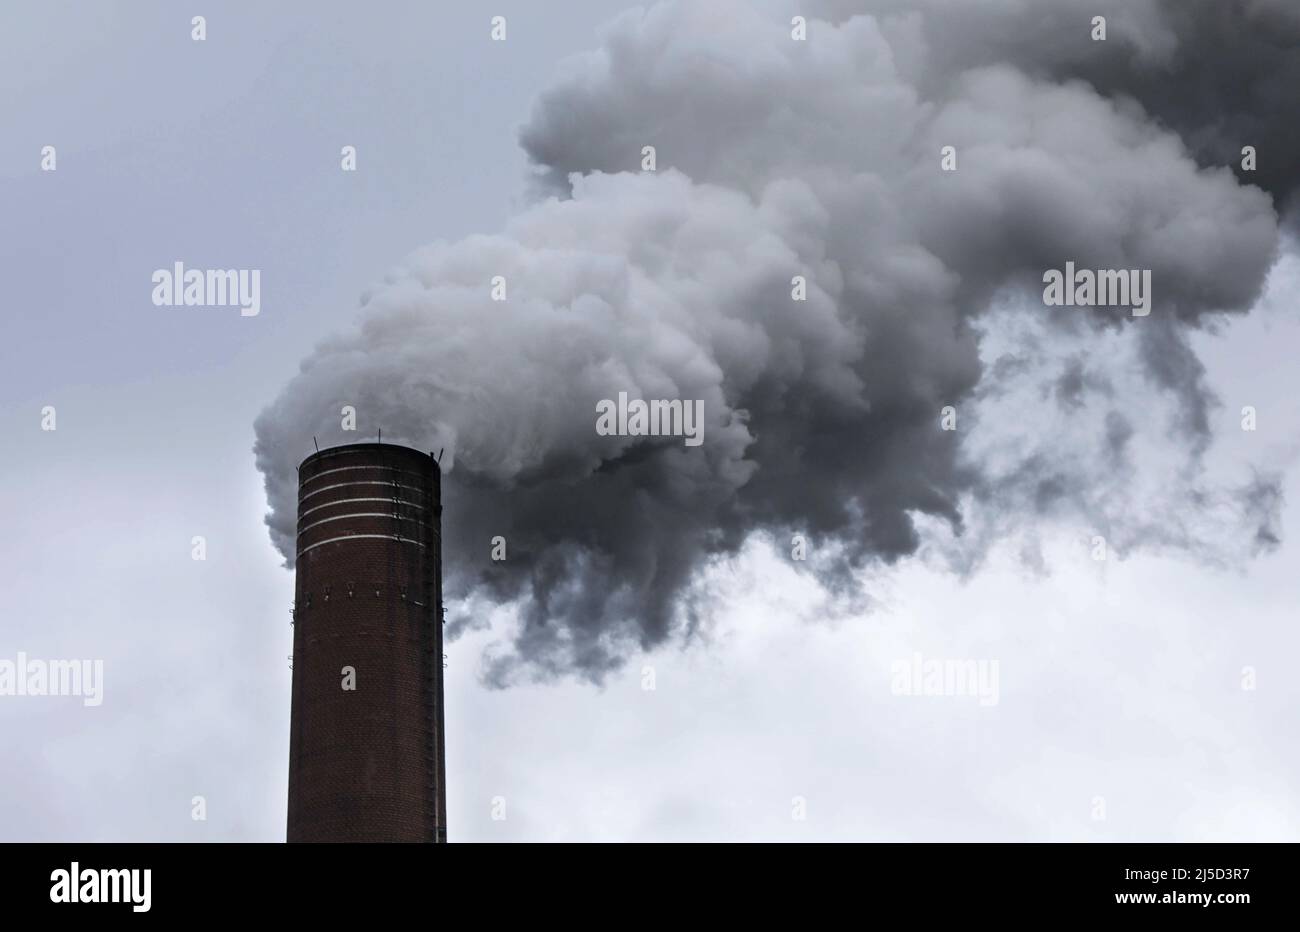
[[780, 158]]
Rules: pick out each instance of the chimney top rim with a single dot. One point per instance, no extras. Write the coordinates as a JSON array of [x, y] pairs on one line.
[[371, 445]]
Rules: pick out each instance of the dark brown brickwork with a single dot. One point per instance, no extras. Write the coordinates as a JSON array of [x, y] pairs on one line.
[[366, 765]]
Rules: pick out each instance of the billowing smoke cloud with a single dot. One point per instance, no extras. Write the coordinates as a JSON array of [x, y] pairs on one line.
[[820, 159], [1220, 73]]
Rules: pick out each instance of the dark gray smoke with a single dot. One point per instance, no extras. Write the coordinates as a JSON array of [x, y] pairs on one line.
[[1222, 74], [821, 158]]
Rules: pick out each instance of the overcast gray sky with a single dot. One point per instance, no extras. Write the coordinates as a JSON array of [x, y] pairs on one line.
[[1120, 681]]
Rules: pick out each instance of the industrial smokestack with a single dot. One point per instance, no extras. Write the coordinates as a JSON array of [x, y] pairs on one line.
[[366, 730]]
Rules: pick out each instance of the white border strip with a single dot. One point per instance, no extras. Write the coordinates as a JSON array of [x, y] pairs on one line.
[[344, 501], [326, 472], [332, 540], [346, 485], [358, 514]]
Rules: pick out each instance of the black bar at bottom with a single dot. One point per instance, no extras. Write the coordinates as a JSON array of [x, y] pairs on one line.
[[655, 882]]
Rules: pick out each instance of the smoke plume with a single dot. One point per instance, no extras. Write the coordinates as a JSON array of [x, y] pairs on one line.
[[779, 158]]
